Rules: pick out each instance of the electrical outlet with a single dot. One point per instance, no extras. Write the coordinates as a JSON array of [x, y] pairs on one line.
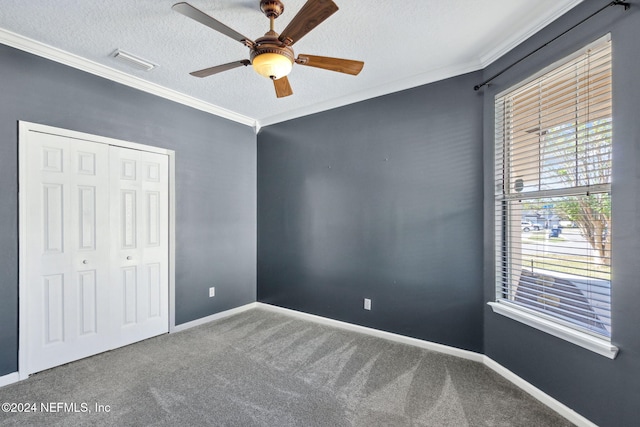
[[367, 304], [212, 292]]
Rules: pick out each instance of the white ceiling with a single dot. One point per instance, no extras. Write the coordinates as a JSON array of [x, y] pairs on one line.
[[404, 43]]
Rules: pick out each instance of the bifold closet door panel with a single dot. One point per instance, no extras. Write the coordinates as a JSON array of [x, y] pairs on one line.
[[67, 250], [139, 253]]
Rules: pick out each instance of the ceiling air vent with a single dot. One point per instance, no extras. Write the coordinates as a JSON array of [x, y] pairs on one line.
[[133, 61]]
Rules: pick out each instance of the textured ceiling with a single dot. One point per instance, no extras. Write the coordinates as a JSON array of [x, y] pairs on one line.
[[404, 43]]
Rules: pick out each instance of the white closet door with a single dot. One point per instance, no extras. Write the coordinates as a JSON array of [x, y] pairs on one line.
[[95, 264], [139, 220], [68, 271]]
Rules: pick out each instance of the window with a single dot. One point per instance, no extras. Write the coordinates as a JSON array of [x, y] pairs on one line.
[[553, 197]]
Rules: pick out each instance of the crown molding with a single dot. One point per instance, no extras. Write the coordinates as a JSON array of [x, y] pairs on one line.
[[58, 55], [422, 79], [49, 52], [375, 92], [494, 54]]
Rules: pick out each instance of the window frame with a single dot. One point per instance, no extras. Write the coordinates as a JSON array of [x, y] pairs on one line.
[[502, 223]]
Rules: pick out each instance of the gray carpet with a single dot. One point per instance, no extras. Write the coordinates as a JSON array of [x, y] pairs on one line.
[[260, 368]]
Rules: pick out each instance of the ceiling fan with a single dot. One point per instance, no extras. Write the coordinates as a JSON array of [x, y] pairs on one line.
[[272, 55]]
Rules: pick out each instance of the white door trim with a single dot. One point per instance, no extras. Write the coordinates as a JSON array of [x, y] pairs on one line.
[[24, 129]]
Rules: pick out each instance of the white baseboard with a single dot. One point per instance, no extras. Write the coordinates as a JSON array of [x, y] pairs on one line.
[[427, 345], [9, 379], [535, 392], [217, 316], [538, 394]]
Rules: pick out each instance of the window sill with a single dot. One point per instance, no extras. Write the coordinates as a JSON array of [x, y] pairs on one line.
[[584, 340]]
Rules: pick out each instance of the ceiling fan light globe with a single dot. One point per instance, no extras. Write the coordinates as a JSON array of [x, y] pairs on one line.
[[272, 65]]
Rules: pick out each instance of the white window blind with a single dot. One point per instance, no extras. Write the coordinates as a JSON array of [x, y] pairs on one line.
[[553, 193]]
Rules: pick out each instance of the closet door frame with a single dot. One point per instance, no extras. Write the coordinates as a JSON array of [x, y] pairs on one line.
[[25, 128]]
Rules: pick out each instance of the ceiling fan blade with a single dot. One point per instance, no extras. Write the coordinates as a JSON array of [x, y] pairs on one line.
[[283, 88], [220, 68], [197, 15], [309, 17], [347, 66]]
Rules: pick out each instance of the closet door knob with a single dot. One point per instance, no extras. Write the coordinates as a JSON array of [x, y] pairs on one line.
[[129, 258], [85, 261]]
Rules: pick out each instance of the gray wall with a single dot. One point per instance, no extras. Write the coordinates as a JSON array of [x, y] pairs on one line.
[[337, 223], [605, 391], [215, 180], [381, 200]]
